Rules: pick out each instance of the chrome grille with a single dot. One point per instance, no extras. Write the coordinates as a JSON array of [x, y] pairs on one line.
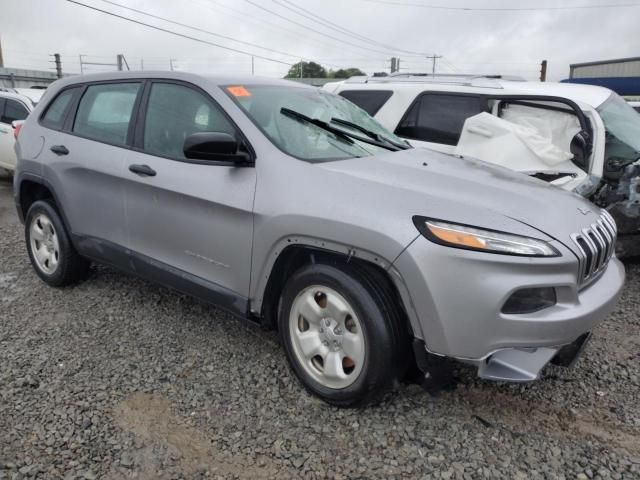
[[596, 244]]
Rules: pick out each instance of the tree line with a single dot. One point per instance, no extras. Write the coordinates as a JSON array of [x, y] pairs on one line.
[[315, 70]]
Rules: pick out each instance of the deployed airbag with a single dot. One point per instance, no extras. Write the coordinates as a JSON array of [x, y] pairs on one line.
[[559, 127], [510, 145]]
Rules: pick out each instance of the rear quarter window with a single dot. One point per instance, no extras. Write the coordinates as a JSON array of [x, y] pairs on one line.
[[371, 101], [439, 118], [55, 113]]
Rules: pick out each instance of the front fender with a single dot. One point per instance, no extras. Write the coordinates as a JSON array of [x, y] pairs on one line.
[[259, 286]]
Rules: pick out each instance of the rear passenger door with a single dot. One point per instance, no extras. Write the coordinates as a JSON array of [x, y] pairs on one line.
[[435, 120], [190, 219], [86, 141]]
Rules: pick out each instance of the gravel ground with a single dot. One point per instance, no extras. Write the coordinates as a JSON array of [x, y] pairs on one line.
[[117, 378]]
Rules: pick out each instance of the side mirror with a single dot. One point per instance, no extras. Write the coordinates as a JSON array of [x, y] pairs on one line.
[[215, 147], [579, 147]]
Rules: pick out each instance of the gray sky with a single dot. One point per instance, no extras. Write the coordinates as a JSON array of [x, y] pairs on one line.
[[477, 41]]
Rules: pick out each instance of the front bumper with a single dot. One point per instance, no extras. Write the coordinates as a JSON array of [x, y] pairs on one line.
[[525, 364], [458, 296]]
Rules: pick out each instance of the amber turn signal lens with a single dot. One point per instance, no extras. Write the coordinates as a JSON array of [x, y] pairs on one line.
[[456, 237]]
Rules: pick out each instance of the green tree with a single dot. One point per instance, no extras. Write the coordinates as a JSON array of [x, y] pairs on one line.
[[348, 72], [309, 70]]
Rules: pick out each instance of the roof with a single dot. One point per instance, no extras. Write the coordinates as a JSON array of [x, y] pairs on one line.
[[174, 75], [585, 94], [23, 98], [33, 94], [605, 62], [589, 94]]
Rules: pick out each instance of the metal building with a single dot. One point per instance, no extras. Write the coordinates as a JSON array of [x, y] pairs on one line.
[[622, 67], [621, 75]]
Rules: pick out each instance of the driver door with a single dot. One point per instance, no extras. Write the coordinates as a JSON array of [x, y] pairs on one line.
[[191, 220]]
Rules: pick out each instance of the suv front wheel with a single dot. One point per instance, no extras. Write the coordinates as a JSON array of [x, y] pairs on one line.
[[342, 334], [50, 250]]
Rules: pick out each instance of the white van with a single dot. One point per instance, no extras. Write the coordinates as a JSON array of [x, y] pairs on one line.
[[581, 138]]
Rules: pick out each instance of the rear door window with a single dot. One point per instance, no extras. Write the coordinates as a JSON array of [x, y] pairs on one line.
[[56, 112], [439, 118], [176, 111], [13, 110], [105, 111], [371, 101]]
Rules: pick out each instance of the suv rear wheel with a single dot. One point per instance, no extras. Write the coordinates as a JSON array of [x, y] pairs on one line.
[[342, 334], [50, 250]]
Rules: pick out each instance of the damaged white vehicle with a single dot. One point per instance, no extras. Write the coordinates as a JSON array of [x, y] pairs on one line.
[[580, 138]]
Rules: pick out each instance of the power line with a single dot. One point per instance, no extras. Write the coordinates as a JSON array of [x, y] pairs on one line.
[[306, 27], [499, 9], [178, 34], [333, 26], [157, 17], [216, 6], [244, 17]]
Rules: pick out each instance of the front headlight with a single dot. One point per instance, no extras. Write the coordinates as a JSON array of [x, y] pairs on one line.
[[471, 238]]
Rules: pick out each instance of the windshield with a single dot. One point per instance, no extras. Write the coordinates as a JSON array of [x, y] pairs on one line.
[[306, 122], [622, 126]]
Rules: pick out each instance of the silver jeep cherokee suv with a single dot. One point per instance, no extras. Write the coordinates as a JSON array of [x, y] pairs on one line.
[[290, 206]]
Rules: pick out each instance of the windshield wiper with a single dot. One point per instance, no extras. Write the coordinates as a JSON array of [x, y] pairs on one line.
[[336, 131], [371, 134], [317, 122]]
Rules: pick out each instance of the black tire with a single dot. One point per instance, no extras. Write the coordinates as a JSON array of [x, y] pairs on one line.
[[383, 326], [71, 267]]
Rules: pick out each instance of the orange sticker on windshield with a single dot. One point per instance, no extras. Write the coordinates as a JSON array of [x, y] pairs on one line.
[[239, 91]]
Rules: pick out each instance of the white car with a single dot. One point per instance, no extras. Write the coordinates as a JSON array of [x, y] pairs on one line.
[[13, 108], [33, 94], [581, 138]]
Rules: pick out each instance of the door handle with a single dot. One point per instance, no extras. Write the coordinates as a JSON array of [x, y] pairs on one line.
[[2, 130], [144, 170], [60, 150]]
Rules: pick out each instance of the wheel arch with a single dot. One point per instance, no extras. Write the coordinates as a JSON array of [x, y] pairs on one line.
[[31, 188], [294, 252]]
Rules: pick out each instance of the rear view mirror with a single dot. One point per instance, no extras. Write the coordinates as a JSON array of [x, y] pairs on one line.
[[215, 147]]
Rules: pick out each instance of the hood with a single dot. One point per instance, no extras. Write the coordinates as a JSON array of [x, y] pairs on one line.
[[470, 191]]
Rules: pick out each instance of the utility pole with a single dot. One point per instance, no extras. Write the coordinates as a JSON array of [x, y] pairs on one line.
[[123, 61], [395, 65], [1, 58], [171, 64], [81, 67], [433, 57], [253, 65], [58, 62], [300, 68], [119, 61], [543, 71]]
